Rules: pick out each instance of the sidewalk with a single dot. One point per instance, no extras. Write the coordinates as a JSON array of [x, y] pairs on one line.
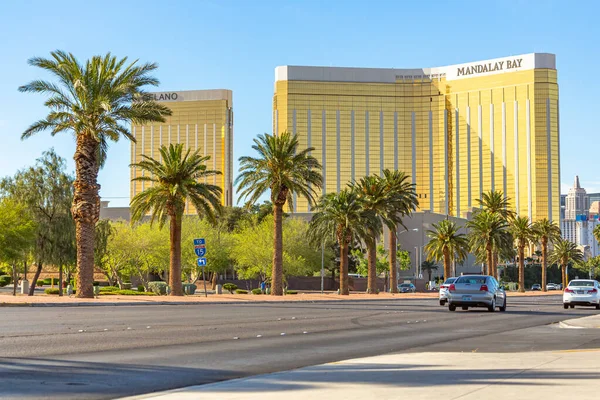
[[468, 376], [591, 322], [43, 300]]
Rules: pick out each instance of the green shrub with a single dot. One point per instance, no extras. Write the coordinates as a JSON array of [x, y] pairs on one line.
[[51, 291], [108, 289], [241, 291], [189, 288], [158, 287], [231, 287], [127, 292], [49, 281], [291, 292], [141, 288], [39, 283], [256, 291], [5, 280], [126, 286]]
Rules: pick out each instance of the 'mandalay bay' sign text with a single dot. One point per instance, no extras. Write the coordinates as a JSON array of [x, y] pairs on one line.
[[489, 67]]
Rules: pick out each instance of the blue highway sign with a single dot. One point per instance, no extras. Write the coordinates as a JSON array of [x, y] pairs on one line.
[[200, 251], [201, 261], [199, 241]]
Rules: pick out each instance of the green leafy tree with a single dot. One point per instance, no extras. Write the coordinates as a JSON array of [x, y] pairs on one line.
[[362, 263], [284, 169], [341, 216], [219, 244], [488, 232], [445, 243], [17, 234], [429, 267], [253, 250], [403, 257], [173, 181], [46, 190], [565, 252], [523, 235], [94, 102], [404, 203]]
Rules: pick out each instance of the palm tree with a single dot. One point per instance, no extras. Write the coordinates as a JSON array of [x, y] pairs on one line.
[[428, 266], [94, 102], [564, 252], [547, 232], [523, 234], [389, 206], [495, 202], [399, 187], [488, 232], [285, 170], [343, 216], [445, 242], [175, 180]]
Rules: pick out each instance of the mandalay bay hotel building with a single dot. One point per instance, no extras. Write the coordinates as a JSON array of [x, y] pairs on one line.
[[201, 119], [457, 131]]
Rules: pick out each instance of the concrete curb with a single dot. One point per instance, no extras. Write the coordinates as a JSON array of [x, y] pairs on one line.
[[235, 302], [589, 322]]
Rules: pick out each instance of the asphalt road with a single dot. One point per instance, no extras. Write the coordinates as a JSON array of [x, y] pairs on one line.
[[109, 352]]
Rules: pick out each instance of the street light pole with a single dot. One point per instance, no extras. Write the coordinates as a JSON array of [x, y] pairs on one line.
[[396, 246]]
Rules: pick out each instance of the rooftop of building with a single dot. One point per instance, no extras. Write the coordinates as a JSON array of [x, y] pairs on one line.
[[392, 75], [194, 95]]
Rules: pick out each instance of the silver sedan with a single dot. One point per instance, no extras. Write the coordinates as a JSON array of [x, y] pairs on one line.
[[476, 291]]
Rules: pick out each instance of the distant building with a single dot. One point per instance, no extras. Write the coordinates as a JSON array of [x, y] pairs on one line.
[[113, 213], [577, 202], [202, 120], [580, 219]]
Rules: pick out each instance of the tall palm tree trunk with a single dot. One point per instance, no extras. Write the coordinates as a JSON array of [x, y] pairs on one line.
[[175, 256], [494, 271], [565, 278], [277, 273], [372, 266], [344, 268], [544, 264], [447, 272], [521, 269], [85, 210], [490, 261], [393, 256]]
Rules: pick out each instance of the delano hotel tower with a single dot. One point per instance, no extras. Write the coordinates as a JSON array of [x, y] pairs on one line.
[[457, 131], [202, 119]]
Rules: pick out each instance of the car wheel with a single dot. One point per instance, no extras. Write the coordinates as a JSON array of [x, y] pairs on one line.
[[492, 307], [465, 308], [597, 306], [442, 303], [566, 306], [572, 306], [503, 308], [452, 307]]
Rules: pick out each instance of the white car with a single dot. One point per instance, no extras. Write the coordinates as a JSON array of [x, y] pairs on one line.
[[444, 291], [582, 292]]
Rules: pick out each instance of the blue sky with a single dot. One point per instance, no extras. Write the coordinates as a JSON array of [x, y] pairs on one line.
[[237, 44]]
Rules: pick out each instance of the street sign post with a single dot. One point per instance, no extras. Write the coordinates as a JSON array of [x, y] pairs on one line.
[[200, 250]]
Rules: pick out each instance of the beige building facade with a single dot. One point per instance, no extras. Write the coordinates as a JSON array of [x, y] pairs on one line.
[[457, 131]]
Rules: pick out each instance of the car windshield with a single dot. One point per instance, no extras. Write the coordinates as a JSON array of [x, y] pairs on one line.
[[405, 285], [582, 283], [478, 280], [450, 280]]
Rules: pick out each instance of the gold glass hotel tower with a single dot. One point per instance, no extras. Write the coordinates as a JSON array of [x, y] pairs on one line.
[[457, 131], [202, 119]]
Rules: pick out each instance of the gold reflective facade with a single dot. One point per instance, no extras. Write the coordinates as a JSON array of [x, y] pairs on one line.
[[457, 131], [201, 119]]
